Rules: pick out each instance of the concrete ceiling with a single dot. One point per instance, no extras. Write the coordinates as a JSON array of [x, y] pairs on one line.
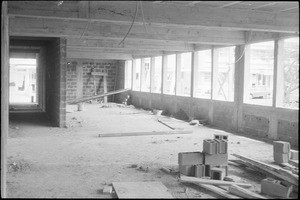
[[96, 29]]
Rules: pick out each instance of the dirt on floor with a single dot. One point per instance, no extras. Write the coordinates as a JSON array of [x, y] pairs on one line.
[[74, 162]]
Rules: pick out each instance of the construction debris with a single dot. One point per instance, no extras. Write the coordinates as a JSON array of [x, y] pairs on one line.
[[276, 188], [107, 190], [242, 192]]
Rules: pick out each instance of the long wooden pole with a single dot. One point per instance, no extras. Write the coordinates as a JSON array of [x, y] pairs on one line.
[[96, 96]]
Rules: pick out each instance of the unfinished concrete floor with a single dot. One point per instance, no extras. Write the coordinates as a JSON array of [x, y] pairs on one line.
[[74, 162]]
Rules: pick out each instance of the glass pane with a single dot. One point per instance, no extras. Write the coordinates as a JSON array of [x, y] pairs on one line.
[[171, 68], [225, 77], [22, 81], [137, 75], [145, 74], [203, 74], [157, 74], [261, 74], [290, 75], [184, 79], [128, 74]]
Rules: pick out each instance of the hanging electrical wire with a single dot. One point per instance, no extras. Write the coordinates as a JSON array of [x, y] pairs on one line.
[[249, 39], [143, 17], [136, 11]]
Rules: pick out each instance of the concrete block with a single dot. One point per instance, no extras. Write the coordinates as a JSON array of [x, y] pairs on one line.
[[207, 170], [221, 145], [294, 155], [188, 170], [210, 146], [217, 173], [199, 171], [281, 157], [277, 188], [190, 158], [107, 190], [216, 159], [221, 137], [281, 147]]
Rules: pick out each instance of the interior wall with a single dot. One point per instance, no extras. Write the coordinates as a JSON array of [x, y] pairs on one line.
[[80, 82], [56, 81]]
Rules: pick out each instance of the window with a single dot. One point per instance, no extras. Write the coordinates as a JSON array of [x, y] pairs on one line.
[[169, 87], [184, 70], [136, 74], [224, 62], [145, 75], [128, 74], [288, 74], [157, 74], [202, 74], [259, 73]]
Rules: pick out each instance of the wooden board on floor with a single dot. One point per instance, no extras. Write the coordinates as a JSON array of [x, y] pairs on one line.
[[141, 190], [145, 133]]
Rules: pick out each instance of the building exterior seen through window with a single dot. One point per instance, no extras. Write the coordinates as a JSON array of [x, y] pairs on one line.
[[184, 72], [128, 74], [136, 69], [22, 81], [171, 74], [145, 74], [157, 74]]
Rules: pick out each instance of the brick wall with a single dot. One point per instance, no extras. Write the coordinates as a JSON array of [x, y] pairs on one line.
[[56, 81], [80, 82]]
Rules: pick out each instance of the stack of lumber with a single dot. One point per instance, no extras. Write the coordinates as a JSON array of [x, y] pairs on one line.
[[278, 172]]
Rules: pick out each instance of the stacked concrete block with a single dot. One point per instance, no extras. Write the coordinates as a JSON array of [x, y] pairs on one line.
[[216, 159], [221, 146], [274, 187], [217, 173], [210, 146], [281, 151], [221, 137], [187, 162], [294, 155], [187, 170], [199, 171]]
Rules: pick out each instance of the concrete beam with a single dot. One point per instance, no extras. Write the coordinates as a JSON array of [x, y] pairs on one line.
[[167, 15], [131, 44], [41, 27]]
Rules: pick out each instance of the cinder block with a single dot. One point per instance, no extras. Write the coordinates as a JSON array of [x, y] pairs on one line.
[[207, 170], [281, 157], [274, 187], [294, 155], [190, 158], [199, 171], [217, 173], [188, 170], [221, 145], [216, 159], [210, 146], [221, 137], [281, 147]]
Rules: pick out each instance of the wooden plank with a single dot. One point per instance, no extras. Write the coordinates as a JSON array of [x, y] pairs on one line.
[[277, 171], [242, 192], [218, 191], [4, 93], [294, 163], [166, 124], [157, 15], [96, 96], [141, 190], [211, 182], [145, 133]]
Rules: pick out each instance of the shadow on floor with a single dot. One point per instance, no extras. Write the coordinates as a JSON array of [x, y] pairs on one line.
[[36, 119]]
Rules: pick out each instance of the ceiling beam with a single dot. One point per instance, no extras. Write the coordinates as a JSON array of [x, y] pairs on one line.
[[40, 27], [265, 5], [167, 15], [131, 44], [93, 55]]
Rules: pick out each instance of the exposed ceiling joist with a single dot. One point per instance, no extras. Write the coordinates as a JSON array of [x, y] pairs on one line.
[[265, 5], [169, 16]]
